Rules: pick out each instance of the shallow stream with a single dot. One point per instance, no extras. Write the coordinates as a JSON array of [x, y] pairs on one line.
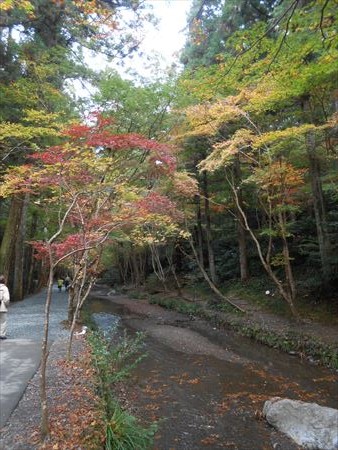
[[208, 386]]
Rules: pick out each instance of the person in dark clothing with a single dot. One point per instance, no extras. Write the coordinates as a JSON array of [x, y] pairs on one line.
[[67, 282]]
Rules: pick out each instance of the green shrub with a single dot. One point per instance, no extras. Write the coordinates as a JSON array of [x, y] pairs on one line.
[[113, 362], [123, 432], [287, 342], [176, 304]]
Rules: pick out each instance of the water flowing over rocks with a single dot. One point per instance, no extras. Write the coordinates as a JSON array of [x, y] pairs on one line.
[[310, 425]]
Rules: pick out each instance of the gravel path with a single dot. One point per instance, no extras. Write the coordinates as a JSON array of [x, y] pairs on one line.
[[26, 322], [26, 318]]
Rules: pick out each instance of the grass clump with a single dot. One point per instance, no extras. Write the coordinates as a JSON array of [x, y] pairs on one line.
[[123, 432], [113, 362], [176, 304], [224, 307], [291, 342]]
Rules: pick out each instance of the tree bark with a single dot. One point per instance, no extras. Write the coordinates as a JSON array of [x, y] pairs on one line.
[[319, 207], [135, 268], [44, 353], [241, 233], [199, 231], [266, 264], [30, 263], [211, 256], [291, 286], [242, 249], [209, 281], [157, 265], [7, 250], [317, 195], [18, 278]]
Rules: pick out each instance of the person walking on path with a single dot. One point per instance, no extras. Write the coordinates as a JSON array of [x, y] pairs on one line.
[[4, 300], [67, 282], [60, 284]]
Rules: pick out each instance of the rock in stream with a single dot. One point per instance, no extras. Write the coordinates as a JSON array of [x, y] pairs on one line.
[[310, 425]]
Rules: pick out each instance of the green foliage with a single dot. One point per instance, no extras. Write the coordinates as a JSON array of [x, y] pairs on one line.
[[137, 107], [263, 114], [123, 432], [211, 24], [114, 362], [224, 307], [176, 304], [288, 342], [254, 291]]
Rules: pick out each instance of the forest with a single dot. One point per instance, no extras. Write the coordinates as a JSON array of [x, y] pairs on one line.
[[213, 180], [223, 173]]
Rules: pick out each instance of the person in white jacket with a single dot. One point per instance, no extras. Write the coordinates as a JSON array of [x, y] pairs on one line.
[[4, 300]]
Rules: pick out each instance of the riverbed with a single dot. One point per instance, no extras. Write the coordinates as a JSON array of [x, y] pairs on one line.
[[207, 386]]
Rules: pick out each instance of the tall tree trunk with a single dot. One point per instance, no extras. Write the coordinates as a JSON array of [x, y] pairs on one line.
[[199, 231], [123, 259], [18, 278], [211, 256], [7, 250], [157, 264], [209, 281], [291, 286], [242, 248], [317, 193], [30, 283], [30, 263], [319, 207], [44, 352], [285, 293], [170, 259], [142, 266], [135, 268], [241, 233]]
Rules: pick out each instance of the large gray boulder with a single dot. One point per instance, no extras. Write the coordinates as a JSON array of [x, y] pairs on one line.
[[308, 424]]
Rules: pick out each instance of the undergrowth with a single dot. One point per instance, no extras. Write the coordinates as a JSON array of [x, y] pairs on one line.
[[113, 362], [304, 346], [176, 304]]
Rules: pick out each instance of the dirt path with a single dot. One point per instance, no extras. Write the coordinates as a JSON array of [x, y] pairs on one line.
[[208, 386]]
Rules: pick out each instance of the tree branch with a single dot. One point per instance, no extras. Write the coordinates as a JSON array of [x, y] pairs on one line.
[[273, 26], [284, 36], [322, 18]]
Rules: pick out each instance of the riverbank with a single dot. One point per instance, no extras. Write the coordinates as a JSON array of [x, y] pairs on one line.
[[313, 341], [306, 339], [204, 384]]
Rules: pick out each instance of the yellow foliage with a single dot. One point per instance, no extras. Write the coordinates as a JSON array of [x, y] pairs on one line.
[[288, 133], [206, 118], [155, 229], [41, 117], [36, 124], [184, 184], [25, 133], [14, 180], [224, 152], [8, 5]]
